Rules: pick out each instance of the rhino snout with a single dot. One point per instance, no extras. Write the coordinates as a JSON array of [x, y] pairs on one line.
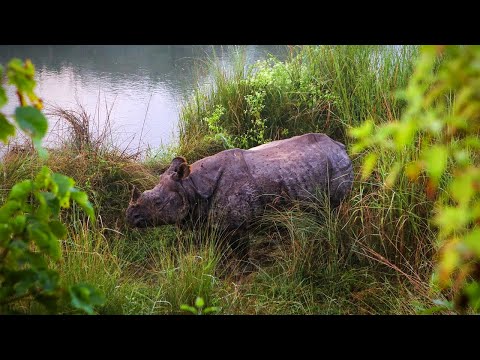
[[135, 219], [138, 221]]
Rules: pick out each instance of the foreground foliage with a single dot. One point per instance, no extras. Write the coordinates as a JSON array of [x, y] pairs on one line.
[[30, 227], [441, 122]]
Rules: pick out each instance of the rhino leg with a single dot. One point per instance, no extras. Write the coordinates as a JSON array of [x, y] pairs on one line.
[[240, 244]]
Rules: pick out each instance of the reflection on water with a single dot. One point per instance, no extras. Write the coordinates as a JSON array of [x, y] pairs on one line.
[[127, 78]]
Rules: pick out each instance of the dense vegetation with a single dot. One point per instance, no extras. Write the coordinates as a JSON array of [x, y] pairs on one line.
[[375, 255], [30, 227]]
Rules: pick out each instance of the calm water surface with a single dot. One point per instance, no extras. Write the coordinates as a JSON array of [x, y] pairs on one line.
[[127, 79]]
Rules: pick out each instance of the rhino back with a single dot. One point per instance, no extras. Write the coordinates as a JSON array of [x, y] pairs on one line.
[[297, 166]]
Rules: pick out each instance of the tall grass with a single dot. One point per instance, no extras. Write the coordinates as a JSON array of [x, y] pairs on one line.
[[322, 88], [364, 78]]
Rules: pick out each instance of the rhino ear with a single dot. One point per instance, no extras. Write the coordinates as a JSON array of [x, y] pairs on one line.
[[179, 168], [135, 194], [182, 172], [174, 165]]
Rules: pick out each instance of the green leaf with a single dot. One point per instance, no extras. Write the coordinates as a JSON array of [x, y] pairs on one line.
[[461, 189], [462, 157], [63, 187], [18, 246], [17, 65], [24, 281], [413, 170], [5, 234], [386, 131], [42, 152], [435, 159], [404, 134], [433, 123], [48, 280], [44, 238], [32, 121], [188, 308], [6, 291], [6, 129], [35, 259], [359, 146], [199, 303], [18, 253], [58, 229], [475, 210], [368, 164], [81, 199], [472, 241], [21, 75], [8, 209], [18, 223], [473, 292], [472, 141], [363, 130], [211, 309], [450, 219], [85, 297], [392, 176], [42, 180], [3, 96], [21, 190], [43, 211], [52, 202], [449, 260]]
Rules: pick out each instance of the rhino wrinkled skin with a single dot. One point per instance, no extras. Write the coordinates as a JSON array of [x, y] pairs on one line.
[[235, 186]]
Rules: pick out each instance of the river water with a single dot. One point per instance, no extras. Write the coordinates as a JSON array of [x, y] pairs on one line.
[[142, 87]]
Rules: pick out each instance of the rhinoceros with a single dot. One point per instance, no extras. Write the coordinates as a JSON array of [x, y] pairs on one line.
[[235, 186]]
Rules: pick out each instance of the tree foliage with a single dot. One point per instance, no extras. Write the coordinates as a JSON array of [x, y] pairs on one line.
[[30, 229], [439, 132]]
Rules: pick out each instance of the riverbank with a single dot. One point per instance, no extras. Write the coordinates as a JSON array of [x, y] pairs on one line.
[[372, 257]]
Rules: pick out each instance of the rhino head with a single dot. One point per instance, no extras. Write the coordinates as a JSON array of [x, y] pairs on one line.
[[166, 203]]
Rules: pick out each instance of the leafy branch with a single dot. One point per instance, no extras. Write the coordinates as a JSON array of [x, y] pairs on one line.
[[30, 229]]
